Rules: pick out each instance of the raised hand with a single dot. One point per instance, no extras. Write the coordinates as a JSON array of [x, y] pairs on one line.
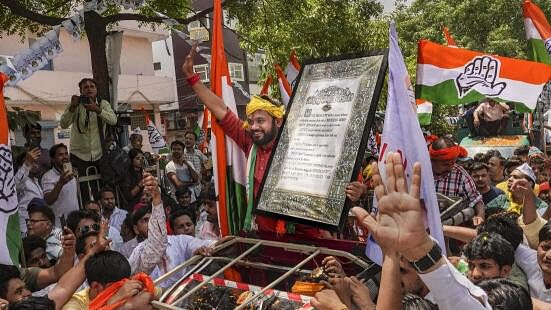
[[103, 242], [400, 222], [480, 75], [355, 190], [333, 267], [151, 188], [187, 67], [32, 156]]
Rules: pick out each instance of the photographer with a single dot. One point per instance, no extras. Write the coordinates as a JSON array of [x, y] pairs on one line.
[[84, 113]]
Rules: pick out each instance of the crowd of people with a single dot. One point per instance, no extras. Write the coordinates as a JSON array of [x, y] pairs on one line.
[[107, 249]]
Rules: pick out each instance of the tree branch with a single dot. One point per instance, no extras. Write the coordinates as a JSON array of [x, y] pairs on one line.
[[20, 10], [156, 19]]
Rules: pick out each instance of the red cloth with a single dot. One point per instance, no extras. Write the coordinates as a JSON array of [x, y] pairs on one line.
[[450, 153], [233, 127]]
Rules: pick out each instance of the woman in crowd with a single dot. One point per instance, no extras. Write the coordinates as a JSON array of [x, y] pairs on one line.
[[132, 185]]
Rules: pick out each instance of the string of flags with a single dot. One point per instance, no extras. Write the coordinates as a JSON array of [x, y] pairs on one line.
[[48, 47]]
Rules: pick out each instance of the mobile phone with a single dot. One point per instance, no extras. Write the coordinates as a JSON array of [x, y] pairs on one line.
[[62, 221], [67, 167], [33, 144]]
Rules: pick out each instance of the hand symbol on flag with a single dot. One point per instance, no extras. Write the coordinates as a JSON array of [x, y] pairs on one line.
[[480, 75]]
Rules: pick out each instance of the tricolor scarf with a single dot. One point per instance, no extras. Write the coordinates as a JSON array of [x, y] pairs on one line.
[[282, 227]]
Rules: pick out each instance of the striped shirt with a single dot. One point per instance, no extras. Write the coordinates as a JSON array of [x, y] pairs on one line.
[[458, 183]]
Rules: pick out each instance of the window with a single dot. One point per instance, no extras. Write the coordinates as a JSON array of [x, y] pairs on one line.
[[236, 71], [156, 66], [203, 22], [203, 71]]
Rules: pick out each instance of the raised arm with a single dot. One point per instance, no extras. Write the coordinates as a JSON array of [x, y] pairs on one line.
[[149, 253], [214, 103]]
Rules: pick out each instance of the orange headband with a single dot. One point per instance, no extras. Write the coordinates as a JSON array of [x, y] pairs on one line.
[[100, 302], [450, 153]]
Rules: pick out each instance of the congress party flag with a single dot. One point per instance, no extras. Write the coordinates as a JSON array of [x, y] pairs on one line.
[[538, 33], [402, 134], [155, 138], [10, 235], [455, 76]]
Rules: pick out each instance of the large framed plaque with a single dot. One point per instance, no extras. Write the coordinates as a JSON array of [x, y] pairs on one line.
[[322, 140]]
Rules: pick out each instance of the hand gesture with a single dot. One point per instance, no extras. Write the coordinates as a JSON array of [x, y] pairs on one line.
[[68, 242], [480, 75], [333, 267], [32, 156], [129, 288], [4, 304], [103, 242], [522, 187], [355, 190], [400, 222], [151, 188], [187, 67]]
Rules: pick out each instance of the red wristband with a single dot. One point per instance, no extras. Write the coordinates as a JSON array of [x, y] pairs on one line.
[[193, 79]]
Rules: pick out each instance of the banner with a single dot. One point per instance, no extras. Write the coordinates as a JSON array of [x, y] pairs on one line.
[[455, 76], [402, 134], [10, 236]]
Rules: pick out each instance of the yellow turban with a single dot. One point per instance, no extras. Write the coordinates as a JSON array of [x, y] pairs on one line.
[[257, 104]]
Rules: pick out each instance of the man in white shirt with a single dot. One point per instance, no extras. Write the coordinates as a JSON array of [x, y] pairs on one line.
[[115, 216], [27, 185], [180, 172], [160, 253], [59, 183], [41, 224]]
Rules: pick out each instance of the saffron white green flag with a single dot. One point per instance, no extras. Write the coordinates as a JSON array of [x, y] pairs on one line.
[[538, 33], [10, 236], [228, 159], [455, 76], [293, 69], [402, 134], [424, 112]]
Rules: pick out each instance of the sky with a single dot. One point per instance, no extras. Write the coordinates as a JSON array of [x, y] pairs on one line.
[[389, 4]]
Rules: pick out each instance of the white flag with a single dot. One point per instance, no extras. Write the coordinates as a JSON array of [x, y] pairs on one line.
[[402, 134], [155, 138]]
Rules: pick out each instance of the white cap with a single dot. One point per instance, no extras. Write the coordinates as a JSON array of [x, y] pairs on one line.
[[527, 171]]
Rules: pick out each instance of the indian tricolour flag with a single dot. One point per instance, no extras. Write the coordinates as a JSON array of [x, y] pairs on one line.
[[293, 68], [10, 236], [285, 88], [424, 111], [538, 33], [229, 160], [455, 76]]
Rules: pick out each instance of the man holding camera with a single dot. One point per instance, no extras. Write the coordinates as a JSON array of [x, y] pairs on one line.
[[85, 113]]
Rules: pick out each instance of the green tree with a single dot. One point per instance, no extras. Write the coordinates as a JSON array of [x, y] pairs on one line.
[[313, 28], [37, 16]]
